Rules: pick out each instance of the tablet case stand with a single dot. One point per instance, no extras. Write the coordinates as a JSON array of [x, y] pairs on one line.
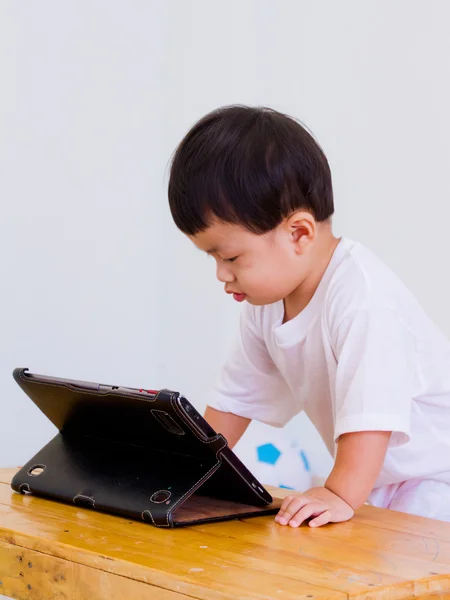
[[135, 455]]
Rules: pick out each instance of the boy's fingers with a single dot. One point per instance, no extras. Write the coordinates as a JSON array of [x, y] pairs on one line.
[[286, 506], [288, 501], [290, 506], [313, 509], [322, 519]]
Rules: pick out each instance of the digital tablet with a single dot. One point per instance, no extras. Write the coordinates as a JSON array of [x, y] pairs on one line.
[[140, 453]]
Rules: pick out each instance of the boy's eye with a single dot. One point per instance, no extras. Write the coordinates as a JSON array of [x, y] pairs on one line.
[[230, 260]]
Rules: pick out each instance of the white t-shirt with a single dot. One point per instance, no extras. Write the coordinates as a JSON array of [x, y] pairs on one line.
[[362, 356]]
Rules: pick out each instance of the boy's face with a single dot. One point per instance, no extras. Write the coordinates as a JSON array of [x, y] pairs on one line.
[[261, 269]]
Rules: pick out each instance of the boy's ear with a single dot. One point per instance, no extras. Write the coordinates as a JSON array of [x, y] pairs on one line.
[[302, 228]]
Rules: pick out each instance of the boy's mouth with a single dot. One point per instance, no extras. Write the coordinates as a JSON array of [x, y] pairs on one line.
[[237, 296]]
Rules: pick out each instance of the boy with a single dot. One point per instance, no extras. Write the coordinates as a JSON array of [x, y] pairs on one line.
[[325, 328]]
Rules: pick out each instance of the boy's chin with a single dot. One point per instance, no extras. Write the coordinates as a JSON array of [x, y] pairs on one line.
[[261, 301]]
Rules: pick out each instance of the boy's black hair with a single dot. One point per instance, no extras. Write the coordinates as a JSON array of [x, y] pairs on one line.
[[251, 166]]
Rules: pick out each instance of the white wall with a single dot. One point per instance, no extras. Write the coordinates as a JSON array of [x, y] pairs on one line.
[[96, 283]]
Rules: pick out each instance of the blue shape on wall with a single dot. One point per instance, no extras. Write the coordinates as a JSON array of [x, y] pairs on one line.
[[305, 461], [268, 453]]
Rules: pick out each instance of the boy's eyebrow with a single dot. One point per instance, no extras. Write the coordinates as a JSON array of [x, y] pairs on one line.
[[212, 250]]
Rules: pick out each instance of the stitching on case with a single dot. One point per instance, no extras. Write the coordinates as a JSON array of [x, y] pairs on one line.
[[147, 512], [159, 492], [83, 497], [180, 501]]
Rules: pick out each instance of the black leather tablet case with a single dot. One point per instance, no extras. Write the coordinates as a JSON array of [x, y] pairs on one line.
[[141, 454]]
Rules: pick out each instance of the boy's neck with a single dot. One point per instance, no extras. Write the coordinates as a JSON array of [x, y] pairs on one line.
[[325, 245]]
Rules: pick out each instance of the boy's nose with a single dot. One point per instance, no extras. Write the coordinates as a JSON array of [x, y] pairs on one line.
[[224, 274]]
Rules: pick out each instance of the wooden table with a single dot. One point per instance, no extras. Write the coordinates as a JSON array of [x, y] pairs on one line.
[[49, 550]]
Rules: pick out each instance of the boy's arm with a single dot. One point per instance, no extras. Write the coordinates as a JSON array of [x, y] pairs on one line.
[[229, 425], [359, 460]]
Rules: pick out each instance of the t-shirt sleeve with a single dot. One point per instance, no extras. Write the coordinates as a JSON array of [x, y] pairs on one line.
[[249, 384], [375, 373]]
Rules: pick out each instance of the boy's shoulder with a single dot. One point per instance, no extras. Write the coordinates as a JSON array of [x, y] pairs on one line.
[[361, 281]]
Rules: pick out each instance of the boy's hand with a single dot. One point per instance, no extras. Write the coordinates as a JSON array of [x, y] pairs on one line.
[[359, 459], [319, 503]]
